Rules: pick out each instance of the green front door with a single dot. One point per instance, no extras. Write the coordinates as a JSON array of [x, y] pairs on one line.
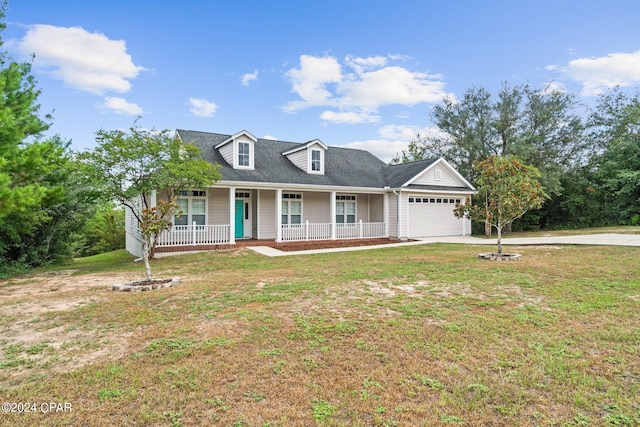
[[239, 218]]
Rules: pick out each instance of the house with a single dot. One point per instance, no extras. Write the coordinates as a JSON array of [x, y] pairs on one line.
[[285, 192]]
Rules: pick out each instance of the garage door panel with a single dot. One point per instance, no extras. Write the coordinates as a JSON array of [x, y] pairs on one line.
[[433, 218]]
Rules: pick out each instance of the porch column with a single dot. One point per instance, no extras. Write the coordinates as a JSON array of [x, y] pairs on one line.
[[279, 215], [232, 215], [333, 215]]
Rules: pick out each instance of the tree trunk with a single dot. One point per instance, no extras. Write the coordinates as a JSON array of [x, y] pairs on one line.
[[146, 255], [499, 228]]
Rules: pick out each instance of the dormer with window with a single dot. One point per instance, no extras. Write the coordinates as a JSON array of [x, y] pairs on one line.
[[238, 150], [309, 157]]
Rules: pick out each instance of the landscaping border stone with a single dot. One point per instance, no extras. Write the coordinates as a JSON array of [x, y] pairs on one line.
[[500, 257], [146, 285]]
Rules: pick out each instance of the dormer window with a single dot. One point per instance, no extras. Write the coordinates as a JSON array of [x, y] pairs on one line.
[[309, 157], [316, 161], [238, 150], [244, 154]]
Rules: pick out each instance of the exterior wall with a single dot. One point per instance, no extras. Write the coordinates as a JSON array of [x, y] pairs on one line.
[[266, 217], [404, 216], [227, 153], [447, 178], [393, 215], [376, 208], [133, 242], [299, 158], [362, 207], [218, 206], [316, 207]]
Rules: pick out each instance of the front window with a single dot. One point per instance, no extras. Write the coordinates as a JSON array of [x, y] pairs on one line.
[[193, 205], [345, 209], [291, 209], [244, 154]]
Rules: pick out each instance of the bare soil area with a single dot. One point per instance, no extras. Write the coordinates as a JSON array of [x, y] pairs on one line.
[[33, 307]]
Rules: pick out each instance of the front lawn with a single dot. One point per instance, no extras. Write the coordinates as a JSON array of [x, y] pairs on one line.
[[411, 336]]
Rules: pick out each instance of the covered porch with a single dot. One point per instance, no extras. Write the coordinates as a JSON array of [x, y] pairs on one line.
[[225, 216]]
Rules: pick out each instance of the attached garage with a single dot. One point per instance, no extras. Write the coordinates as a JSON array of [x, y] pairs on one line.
[[432, 215]]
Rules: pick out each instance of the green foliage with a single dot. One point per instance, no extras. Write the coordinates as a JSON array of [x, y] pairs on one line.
[[507, 190], [103, 231], [129, 167], [538, 126], [39, 210]]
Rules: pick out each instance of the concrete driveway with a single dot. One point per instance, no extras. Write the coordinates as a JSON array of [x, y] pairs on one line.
[[608, 239]]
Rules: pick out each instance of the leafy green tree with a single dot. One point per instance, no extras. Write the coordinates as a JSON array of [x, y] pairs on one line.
[[541, 127], [104, 230], [619, 169], [508, 187], [36, 200], [132, 167]]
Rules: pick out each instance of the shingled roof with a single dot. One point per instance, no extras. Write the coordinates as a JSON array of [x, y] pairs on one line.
[[344, 167]]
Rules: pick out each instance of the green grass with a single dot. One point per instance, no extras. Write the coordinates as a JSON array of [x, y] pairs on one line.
[[410, 336]]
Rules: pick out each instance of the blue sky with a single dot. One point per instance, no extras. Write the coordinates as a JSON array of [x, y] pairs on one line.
[[363, 74]]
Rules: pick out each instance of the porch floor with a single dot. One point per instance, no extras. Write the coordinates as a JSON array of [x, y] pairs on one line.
[[283, 246]]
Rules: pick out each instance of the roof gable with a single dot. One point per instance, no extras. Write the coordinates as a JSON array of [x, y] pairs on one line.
[[439, 173]]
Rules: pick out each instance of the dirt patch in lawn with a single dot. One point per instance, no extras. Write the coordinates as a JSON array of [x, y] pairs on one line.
[[32, 310]]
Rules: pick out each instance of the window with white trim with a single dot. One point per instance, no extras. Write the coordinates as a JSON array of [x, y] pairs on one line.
[[316, 161], [291, 208], [345, 209], [244, 154], [193, 205]]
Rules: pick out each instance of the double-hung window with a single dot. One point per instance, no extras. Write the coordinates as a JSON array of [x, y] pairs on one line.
[[316, 161], [244, 154], [345, 209], [291, 208], [193, 205]]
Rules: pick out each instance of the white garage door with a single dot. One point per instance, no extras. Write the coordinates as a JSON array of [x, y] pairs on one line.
[[433, 216]]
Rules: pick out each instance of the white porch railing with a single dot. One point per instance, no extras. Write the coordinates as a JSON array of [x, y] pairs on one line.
[[308, 231], [182, 235]]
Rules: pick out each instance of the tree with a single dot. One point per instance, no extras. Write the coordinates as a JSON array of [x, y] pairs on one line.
[[130, 167], [37, 206], [538, 126], [619, 168], [103, 231], [508, 187]]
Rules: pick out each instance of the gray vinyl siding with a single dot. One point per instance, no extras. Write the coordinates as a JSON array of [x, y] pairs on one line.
[[316, 207], [393, 215], [376, 208], [266, 217], [227, 153], [362, 207], [447, 178], [299, 158], [218, 206]]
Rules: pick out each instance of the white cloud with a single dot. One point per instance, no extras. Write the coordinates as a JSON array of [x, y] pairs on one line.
[[202, 107], [359, 87], [90, 62], [599, 74], [249, 77], [392, 140], [350, 117], [121, 106], [311, 79], [272, 138]]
